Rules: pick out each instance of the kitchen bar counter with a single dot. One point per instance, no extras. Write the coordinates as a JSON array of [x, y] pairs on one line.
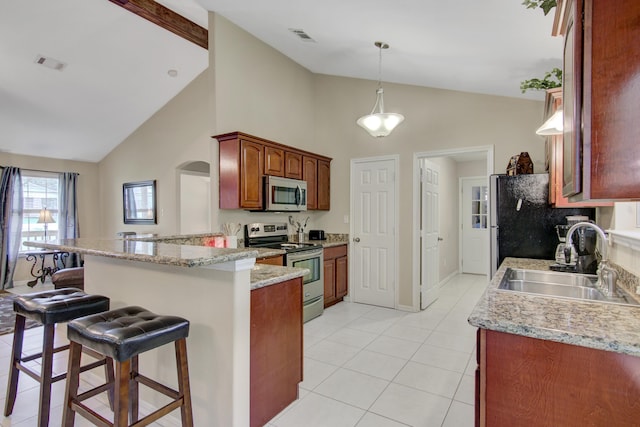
[[597, 325], [211, 287], [157, 251]]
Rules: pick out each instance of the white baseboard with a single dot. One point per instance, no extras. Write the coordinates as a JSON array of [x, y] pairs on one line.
[[449, 277]]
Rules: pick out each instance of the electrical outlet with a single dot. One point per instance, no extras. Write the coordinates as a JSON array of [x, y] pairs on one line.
[[346, 219]]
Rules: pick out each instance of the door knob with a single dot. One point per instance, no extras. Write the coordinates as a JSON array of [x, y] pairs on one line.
[[356, 239], [440, 239]]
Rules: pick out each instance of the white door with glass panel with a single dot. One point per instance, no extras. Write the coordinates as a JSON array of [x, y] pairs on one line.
[[373, 202], [430, 229], [474, 226]]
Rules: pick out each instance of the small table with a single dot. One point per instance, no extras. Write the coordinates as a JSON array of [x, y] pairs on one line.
[[43, 271]]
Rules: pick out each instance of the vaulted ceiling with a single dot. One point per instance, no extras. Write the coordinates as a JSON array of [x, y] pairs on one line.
[[117, 65]]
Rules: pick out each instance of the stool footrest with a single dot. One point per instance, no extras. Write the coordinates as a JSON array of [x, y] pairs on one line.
[[161, 388], [156, 415], [94, 391], [35, 356], [90, 415]]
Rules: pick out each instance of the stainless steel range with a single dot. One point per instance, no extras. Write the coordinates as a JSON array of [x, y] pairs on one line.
[[302, 255]]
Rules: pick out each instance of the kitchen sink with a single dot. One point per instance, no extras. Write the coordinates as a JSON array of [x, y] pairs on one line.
[[561, 285]]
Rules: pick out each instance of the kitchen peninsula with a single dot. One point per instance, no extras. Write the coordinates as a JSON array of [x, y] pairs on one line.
[[209, 286]]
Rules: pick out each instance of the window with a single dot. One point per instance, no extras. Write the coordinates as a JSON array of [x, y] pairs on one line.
[[39, 191], [479, 198]]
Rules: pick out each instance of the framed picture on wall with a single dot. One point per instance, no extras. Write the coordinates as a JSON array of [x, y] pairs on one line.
[[139, 202]]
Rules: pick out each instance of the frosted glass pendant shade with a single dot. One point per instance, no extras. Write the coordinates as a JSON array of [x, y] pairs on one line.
[[379, 123], [553, 125]]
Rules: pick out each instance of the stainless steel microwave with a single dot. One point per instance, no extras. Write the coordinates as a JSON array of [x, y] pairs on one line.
[[284, 194]]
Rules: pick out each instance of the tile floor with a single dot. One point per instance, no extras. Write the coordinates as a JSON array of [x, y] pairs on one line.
[[367, 366], [364, 366]]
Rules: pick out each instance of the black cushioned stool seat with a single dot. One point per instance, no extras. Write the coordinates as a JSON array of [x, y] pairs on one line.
[[122, 335], [72, 277], [48, 308]]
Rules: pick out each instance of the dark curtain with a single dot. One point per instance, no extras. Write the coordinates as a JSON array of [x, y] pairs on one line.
[[10, 223], [68, 227]]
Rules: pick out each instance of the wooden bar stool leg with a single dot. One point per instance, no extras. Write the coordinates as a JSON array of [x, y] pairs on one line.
[[121, 404], [14, 373], [73, 381], [134, 390], [45, 375], [186, 411], [110, 377]]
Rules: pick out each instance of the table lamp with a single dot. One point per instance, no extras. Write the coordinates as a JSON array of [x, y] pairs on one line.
[[45, 218]]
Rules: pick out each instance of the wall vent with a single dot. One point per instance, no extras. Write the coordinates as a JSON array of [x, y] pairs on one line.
[[54, 64], [302, 35]]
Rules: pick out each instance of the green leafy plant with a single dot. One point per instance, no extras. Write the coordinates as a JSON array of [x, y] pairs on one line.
[[545, 5], [551, 79]]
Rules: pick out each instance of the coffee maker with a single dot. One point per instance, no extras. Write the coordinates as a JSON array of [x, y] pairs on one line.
[[561, 230], [583, 257]]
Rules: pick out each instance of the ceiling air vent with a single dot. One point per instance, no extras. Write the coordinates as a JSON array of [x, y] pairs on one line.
[[54, 64], [302, 35]]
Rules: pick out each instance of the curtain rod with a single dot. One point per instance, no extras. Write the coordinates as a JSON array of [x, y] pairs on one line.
[[37, 170]]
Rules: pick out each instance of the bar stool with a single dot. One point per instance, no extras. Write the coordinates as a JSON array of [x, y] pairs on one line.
[[122, 335], [48, 308]]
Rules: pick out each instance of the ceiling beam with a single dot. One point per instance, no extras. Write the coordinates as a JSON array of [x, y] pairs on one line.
[[167, 19]]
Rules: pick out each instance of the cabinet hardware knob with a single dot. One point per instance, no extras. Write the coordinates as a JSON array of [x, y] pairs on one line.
[[356, 239]]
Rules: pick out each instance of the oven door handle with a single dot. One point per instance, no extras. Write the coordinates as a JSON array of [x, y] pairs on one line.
[[303, 255]]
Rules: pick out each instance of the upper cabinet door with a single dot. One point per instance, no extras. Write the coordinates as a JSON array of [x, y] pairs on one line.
[[310, 174], [324, 185], [601, 108], [251, 171], [292, 165], [274, 161]]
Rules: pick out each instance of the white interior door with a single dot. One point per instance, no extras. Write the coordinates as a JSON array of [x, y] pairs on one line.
[[474, 225], [373, 201], [429, 225]]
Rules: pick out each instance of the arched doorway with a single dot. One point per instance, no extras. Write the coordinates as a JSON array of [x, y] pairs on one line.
[[194, 198]]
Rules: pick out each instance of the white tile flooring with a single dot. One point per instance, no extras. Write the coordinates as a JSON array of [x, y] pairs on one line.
[[364, 366], [368, 366]]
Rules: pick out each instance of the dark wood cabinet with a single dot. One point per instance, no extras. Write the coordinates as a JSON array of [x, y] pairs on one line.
[[524, 382], [310, 174], [241, 171], [600, 94], [555, 156], [293, 165], [276, 349], [274, 161], [274, 260], [324, 185], [336, 274], [245, 159]]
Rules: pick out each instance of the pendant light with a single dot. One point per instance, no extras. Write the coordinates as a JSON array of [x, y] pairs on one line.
[[379, 123], [553, 125]]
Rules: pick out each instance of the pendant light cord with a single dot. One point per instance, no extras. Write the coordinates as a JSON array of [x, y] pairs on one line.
[[380, 66]]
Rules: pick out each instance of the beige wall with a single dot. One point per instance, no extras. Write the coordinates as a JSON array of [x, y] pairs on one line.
[[434, 120], [253, 88], [177, 134], [89, 211], [261, 92]]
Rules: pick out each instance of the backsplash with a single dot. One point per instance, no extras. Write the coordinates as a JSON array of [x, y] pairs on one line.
[[628, 281]]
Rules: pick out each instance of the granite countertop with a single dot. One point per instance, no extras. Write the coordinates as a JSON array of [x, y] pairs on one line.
[[265, 275], [598, 325], [331, 240], [157, 252]]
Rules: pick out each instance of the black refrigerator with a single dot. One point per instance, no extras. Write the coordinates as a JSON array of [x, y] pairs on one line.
[[522, 223]]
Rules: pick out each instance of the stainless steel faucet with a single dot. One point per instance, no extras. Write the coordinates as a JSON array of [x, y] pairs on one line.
[[607, 276]]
